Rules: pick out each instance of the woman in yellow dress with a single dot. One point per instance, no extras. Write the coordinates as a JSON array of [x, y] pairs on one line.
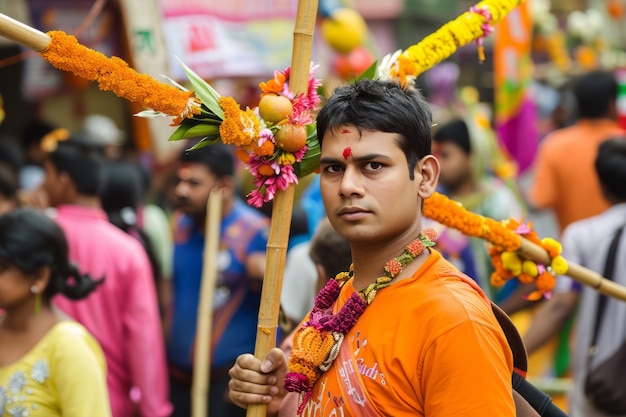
[[49, 365]]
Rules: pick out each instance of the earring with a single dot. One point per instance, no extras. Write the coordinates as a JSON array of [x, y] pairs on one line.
[[35, 290]]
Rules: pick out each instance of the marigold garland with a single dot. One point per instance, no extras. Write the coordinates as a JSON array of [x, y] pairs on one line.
[[471, 26], [113, 74]]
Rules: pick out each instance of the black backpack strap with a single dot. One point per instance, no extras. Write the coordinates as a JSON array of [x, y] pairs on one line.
[[609, 266]]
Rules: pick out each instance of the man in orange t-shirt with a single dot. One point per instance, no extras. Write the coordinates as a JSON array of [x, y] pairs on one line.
[[565, 180], [428, 343]]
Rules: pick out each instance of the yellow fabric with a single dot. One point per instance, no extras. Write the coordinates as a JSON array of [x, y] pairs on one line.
[[63, 375], [427, 346]]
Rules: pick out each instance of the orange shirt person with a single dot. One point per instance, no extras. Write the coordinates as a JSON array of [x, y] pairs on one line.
[[565, 180], [428, 343]]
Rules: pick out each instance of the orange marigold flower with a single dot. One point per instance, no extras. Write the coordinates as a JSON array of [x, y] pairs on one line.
[[497, 280], [266, 149], [525, 278], [266, 170], [242, 155], [113, 74], [393, 267], [545, 282], [275, 85], [240, 128]]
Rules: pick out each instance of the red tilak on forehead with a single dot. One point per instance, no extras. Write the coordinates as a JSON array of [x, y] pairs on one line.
[[345, 131], [347, 152]]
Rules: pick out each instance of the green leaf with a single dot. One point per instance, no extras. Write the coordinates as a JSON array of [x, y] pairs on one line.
[[194, 129], [204, 91], [209, 140], [311, 161], [369, 73]]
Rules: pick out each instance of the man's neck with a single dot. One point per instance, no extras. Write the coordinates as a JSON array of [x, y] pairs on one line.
[[87, 201]]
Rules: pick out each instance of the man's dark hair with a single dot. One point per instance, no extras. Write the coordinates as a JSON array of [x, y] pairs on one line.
[[383, 106], [218, 158], [330, 250], [455, 132], [595, 93], [611, 167], [82, 162]]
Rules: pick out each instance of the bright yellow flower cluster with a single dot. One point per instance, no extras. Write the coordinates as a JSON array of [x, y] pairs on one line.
[[509, 264], [459, 32], [113, 74]]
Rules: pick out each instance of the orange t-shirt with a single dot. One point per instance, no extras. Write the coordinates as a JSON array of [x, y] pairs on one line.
[[565, 177], [426, 346]]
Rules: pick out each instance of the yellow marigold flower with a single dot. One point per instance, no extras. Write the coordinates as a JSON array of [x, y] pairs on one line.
[[512, 262], [65, 53], [553, 247], [286, 158], [559, 265], [529, 268]]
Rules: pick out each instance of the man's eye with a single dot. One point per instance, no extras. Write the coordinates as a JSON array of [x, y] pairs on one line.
[[333, 168], [373, 166]]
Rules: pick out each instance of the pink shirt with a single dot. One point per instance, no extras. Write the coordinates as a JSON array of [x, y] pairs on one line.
[[122, 313]]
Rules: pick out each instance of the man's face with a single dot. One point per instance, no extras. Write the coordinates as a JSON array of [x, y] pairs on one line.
[[365, 185], [194, 183], [55, 185], [455, 165]]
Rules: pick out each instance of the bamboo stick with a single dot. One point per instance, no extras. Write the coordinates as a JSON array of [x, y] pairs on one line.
[[283, 201], [23, 34], [204, 324], [578, 273]]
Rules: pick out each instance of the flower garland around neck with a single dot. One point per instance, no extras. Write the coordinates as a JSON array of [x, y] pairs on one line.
[[510, 264], [316, 344]]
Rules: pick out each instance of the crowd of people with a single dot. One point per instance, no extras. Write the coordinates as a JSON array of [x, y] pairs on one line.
[[99, 284]]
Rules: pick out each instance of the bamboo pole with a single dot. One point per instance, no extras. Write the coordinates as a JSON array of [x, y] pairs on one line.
[[204, 324], [283, 201], [23, 34]]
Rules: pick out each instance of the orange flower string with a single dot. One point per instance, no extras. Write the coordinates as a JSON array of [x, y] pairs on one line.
[[113, 74], [452, 214]]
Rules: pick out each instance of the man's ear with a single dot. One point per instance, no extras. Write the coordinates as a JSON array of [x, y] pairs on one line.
[[427, 170], [66, 184], [227, 186]]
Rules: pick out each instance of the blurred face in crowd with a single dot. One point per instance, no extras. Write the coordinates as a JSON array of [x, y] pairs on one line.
[[57, 185], [455, 165], [193, 185]]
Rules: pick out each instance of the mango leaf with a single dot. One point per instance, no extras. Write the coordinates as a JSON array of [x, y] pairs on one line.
[[192, 129], [204, 91], [209, 140], [311, 161]]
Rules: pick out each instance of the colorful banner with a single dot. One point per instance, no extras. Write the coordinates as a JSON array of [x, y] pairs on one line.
[[515, 114], [149, 55], [233, 38]]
